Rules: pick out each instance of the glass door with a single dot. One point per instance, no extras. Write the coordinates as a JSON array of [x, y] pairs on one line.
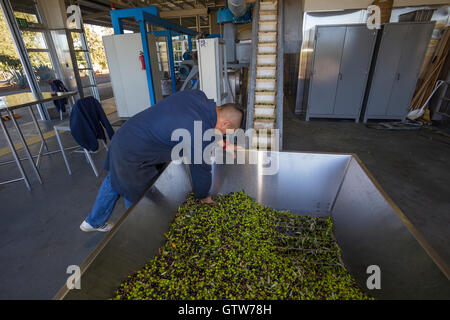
[[40, 57]]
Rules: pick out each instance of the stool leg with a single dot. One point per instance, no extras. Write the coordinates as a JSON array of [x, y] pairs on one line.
[[36, 124], [105, 145], [25, 147], [15, 155], [88, 156], [62, 151]]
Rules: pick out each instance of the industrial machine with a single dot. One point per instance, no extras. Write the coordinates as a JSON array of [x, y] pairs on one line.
[[236, 12], [265, 87], [213, 75], [192, 79], [128, 55], [370, 229]]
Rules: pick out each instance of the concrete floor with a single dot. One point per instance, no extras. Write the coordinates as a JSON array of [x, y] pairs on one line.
[[39, 235]]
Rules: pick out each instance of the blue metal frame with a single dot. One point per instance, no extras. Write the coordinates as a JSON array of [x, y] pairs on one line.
[[163, 33], [150, 15], [189, 44]]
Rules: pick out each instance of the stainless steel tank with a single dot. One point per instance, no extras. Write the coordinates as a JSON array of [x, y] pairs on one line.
[[369, 227]]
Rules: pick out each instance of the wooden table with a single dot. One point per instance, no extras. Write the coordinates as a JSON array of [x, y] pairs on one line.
[[27, 100]]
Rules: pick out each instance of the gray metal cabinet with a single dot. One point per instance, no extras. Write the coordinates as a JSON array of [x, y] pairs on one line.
[[340, 68], [400, 52]]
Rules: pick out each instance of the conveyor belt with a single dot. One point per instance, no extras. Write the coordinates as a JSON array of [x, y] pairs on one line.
[[265, 94]]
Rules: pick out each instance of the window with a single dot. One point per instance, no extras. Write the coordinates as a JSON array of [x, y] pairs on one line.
[[26, 10], [12, 75], [180, 45], [27, 16], [163, 62], [34, 36]]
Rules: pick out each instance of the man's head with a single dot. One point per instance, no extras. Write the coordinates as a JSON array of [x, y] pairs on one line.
[[228, 118]]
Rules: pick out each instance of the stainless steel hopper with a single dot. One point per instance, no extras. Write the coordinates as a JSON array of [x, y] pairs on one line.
[[369, 227]]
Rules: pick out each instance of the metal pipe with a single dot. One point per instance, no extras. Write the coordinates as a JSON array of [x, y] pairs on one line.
[[252, 71], [280, 74]]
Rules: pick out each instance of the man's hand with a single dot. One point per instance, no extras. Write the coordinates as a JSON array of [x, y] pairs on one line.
[[208, 200], [230, 148]]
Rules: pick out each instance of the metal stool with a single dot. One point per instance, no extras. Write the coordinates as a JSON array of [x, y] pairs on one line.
[[86, 152]]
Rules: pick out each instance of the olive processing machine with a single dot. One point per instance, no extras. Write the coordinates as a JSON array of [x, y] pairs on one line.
[[370, 229]]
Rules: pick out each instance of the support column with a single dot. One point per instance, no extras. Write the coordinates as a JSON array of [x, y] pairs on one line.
[[171, 60], [229, 35]]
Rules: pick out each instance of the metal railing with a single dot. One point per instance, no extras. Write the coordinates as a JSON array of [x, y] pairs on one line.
[[252, 73], [280, 74]]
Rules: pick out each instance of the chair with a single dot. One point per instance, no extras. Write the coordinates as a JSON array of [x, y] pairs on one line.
[[58, 86], [86, 152], [79, 149], [68, 109]]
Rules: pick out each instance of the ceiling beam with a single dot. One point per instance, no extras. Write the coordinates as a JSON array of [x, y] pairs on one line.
[[188, 4], [202, 2], [183, 13], [92, 5], [175, 4], [96, 15], [127, 26], [163, 14], [160, 3], [121, 3]]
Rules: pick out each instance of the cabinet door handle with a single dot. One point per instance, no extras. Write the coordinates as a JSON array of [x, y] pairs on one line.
[[340, 76], [398, 76]]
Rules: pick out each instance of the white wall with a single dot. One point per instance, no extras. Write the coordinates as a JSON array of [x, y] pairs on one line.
[[327, 5]]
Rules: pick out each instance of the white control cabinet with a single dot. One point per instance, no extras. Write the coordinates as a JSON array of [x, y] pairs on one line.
[[211, 63], [129, 80]]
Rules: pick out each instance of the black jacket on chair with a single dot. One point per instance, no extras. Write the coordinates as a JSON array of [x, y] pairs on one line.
[[87, 121]]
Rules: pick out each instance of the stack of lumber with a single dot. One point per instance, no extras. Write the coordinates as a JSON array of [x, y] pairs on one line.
[[431, 75]]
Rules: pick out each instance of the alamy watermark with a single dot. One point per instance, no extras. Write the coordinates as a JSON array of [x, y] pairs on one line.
[[209, 146], [374, 19], [374, 280], [74, 280]]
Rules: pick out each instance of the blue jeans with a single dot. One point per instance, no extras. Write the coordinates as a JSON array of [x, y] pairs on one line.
[[104, 204]]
